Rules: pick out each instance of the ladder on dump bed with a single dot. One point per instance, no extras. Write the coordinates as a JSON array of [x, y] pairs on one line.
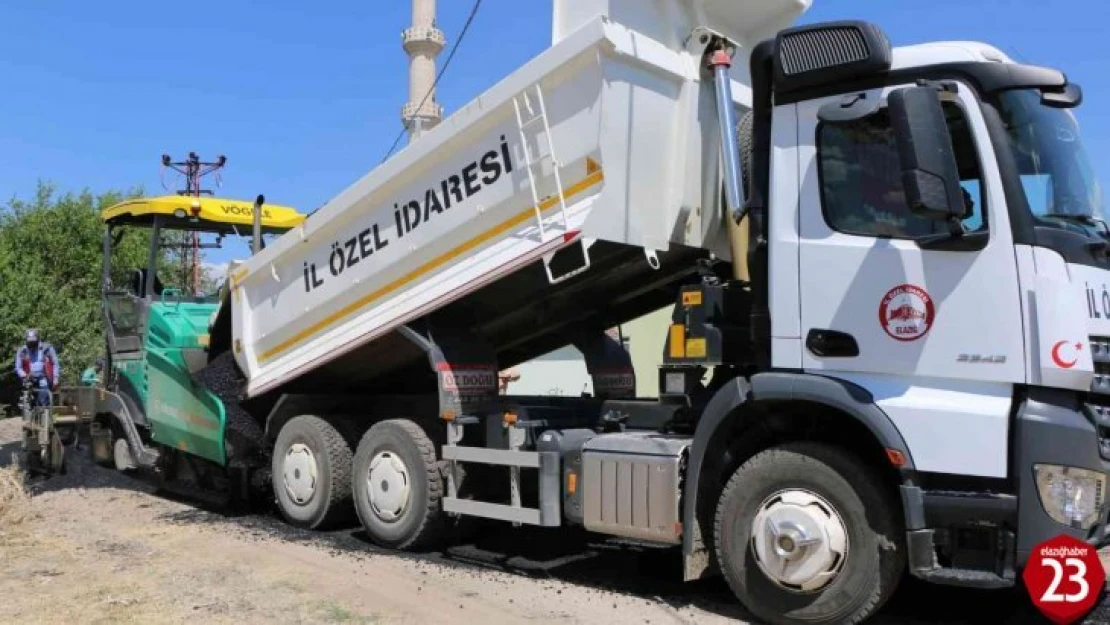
[[536, 114], [531, 111]]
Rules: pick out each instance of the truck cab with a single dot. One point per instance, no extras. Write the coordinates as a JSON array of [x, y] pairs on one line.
[[934, 244]]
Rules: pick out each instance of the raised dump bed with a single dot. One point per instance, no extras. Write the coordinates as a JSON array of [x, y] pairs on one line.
[[573, 193]]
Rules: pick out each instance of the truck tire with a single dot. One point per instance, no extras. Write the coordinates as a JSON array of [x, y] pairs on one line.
[[785, 495], [398, 485], [311, 473]]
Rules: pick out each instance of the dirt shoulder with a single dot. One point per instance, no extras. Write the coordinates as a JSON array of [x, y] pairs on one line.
[[96, 546]]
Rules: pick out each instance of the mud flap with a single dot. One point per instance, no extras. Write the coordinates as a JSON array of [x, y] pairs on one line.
[[609, 365], [466, 372], [466, 368]]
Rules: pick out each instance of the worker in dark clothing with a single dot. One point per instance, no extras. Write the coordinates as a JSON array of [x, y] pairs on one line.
[[37, 365]]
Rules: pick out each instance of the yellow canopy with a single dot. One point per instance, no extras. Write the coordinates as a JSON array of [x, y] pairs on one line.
[[201, 213]]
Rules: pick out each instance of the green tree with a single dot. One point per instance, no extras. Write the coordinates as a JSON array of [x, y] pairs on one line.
[[50, 274], [175, 267]]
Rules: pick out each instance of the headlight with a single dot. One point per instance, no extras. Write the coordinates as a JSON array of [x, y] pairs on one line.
[[1069, 495]]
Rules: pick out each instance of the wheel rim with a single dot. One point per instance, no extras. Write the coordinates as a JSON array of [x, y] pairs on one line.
[[800, 540], [299, 473], [388, 486]]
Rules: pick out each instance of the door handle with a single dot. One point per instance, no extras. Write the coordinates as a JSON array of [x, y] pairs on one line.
[[831, 343]]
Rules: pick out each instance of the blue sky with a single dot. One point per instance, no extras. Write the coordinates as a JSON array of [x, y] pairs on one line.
[[305, 98]]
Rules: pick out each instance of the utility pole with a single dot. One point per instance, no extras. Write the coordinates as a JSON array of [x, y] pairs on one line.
[[193, 169], [422, 42]]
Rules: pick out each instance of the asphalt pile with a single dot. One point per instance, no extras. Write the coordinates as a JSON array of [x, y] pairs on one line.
[[224, 380]]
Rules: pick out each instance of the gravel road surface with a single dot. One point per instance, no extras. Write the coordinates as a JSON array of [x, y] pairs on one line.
[[100, 547]]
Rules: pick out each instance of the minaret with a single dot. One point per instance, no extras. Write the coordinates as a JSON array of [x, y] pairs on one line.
[[423, 43]]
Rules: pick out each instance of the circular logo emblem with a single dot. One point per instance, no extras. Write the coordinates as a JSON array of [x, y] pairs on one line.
[[906, 312]]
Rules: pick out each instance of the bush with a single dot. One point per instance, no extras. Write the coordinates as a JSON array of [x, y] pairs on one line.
[[50, 273]]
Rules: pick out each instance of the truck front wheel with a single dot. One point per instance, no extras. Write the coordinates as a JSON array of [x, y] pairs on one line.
[[398, 485], [805, 534], [311, 473]]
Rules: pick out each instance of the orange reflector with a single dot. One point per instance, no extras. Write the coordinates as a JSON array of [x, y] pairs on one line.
[[448, 416], [896, 457], [572, 483], [678, 340]]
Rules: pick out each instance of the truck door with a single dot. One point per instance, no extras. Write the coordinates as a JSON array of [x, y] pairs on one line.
[[930, 327]]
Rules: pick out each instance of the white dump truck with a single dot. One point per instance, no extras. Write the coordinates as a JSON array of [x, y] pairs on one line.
[[892, 261]]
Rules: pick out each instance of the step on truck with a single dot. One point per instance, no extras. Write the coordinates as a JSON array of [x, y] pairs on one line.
[[890, 340]]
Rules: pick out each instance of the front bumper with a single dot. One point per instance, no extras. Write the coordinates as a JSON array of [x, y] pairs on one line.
[[983, 537], [1053, 427]]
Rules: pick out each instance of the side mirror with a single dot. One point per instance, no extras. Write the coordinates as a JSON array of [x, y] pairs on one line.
[[930, 178]]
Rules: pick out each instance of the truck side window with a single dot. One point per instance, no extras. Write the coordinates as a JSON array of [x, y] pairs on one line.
[[860, 178]]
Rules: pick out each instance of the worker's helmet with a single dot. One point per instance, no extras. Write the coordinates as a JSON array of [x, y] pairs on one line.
[[32, 337]]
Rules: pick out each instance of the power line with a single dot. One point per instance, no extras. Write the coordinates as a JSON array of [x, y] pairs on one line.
[[450, 55]]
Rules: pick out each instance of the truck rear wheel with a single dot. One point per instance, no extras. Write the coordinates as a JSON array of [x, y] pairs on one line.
[[800, 543], [311, 473], [398, 485]]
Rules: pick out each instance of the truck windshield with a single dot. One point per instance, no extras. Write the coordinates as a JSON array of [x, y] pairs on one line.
[[1058, 180]]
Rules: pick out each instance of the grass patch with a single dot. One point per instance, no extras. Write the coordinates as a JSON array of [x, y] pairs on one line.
[[332, 612]]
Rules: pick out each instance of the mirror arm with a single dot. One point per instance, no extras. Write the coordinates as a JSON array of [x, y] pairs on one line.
[[945, 87], [956, 227]]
